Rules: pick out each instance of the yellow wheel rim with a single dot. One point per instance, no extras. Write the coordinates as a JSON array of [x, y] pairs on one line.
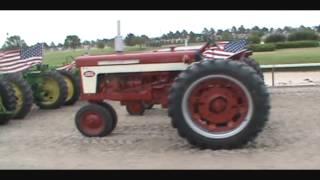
[[19, 96], [70, 88], [51, 91]]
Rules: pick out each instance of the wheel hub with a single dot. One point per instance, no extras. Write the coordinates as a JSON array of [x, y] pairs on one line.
[[218, 105], [92, 123]]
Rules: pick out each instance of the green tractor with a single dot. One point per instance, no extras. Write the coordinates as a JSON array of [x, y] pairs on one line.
[[34, 82], [52, 88], [7, 102], [47, 87]]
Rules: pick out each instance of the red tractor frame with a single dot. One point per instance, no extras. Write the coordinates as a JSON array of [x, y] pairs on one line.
[[213, 103]]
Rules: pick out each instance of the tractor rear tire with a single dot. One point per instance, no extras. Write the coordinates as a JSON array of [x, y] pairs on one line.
[[8, 101], [73, 85], [255, 65], [23, 93], [108, 107], [219, 104], [94, 120], [55, 85]]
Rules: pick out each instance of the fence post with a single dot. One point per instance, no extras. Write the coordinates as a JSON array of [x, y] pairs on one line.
[[273, 76]]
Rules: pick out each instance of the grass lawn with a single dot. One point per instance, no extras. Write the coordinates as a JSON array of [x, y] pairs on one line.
[[57, 58], [289, 56], [283, 56]]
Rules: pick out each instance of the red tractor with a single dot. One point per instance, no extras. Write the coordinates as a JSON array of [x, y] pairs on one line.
[[213, 102]]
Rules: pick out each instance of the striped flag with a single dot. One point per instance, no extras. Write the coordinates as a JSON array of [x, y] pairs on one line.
[[225, 50], [22, 59]]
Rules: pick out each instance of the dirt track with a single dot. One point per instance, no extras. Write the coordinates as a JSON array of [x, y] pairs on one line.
[[48, 139]]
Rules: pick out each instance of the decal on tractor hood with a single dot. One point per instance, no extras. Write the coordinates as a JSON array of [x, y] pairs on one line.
[[89, 74]]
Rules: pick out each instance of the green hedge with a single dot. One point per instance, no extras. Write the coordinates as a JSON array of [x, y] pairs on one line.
[[262, 47], [296, 44], [282, 45]]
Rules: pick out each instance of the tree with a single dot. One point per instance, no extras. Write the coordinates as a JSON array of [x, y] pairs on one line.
[[100, 44], [60, 45], [14, 42], [177, 35], [303, 35], [192, 37], [288, 29], [139, 40], [241, 29], [130, 39], [184, 34], [317, 28], [93, 43], [46, 46], [110, 43], [52, 45], [275, 38], [254, 38], [234, 29], [86, 43], [265, 30], [255, 29], [226, 36], [165, 37], [205, 34], [72, 41], [219, 32], [170, 35]]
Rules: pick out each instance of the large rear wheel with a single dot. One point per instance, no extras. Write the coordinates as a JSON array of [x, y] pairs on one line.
[[52, 92], [8, 102], [23, 93], [219, 104], [73, 86]]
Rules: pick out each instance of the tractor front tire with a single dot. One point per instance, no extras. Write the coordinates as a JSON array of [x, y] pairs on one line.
[[55, 91], [94, 120], [113, 113], [7, 101], [73, 86], [23, 93], [219, 104]]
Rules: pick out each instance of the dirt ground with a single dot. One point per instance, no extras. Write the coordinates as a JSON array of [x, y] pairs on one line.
[[48, 139]]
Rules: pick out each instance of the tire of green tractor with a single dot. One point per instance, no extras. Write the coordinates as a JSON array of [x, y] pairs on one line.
[[7, 100], [112, 111], [23, 93], [62, 91], [219, 104], [76, 88], [94, 120], [135, 108], [255, 65]]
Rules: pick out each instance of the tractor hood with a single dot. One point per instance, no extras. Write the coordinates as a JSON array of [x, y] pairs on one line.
[[172, 56]]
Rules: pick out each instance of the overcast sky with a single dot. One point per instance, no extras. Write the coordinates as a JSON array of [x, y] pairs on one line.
[[47, 26]]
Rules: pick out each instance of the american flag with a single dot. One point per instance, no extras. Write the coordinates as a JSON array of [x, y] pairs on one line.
[[225, 49], [18, 60], [235, 46]]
